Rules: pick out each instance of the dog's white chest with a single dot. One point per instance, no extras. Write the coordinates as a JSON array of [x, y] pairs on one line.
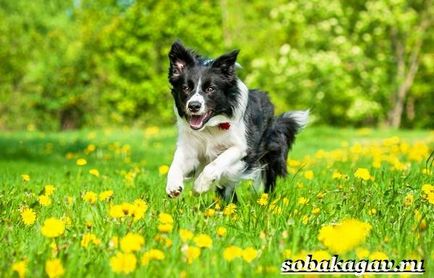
[[211, 144]]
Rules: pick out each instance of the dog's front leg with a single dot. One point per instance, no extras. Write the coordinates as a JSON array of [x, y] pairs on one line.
[[214, 170], [183, 163]]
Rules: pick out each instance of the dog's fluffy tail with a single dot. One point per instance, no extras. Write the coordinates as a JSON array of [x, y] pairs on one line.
[[279, 140]]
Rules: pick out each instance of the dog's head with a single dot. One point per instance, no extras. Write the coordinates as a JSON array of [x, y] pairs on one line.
[[202, 88]]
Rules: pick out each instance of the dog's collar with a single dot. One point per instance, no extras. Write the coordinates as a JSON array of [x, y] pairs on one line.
[[224, 126]]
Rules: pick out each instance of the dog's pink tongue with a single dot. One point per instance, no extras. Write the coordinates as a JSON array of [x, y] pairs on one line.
[[196, 121]]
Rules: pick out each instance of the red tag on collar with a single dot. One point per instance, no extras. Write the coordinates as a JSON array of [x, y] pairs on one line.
[[224, 126]]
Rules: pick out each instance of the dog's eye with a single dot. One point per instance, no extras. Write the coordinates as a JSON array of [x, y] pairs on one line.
[[185, 88], [210, 90]]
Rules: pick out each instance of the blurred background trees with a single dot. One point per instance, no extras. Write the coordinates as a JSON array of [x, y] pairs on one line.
[[93, 63]]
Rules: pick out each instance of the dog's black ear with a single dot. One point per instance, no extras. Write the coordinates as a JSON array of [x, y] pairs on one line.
[[226, 63], [180, 58]]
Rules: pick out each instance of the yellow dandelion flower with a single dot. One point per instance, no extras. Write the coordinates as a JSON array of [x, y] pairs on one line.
[[127, 208], [185, 235], [105, 195], [376, 163], [263, 201], [275, 209], [338, 175], [20, 268], [362, 253], [427, 188], [90, 197], [302, 201], [153, 254], [139, 210], [391, 141], [89, 238], [49, 190], [54, 268], [316, 211], [308, 175], [163, 170], [287, 253], [70, 200], [81, 162], [209, 212], [418, 152], [90, 148], [230, 209], [294, 163], [363, 174], [249, 254], [123, 263], [152, 130], [430, 198], [218, 205], [140, 203], [408, 199], [422, 224], [344, 236], [305, 219], [53, 227], [156, 254], [44, 200], [28, 216], [165, 218], [221, 231], [203, 241], [116, 211], [232, 252], [372, 211], [69, 155], [165, 228], [378, 255], [25, 177], [320, 255], [94, 172], [191, 253], [132, 242]]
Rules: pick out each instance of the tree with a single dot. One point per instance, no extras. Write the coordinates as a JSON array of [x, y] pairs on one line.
[[407, 44]]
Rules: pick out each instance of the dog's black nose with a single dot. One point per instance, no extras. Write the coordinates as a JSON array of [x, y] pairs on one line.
[[194, 106]]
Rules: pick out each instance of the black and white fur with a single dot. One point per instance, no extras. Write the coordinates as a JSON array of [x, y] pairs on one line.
[[208, 93]]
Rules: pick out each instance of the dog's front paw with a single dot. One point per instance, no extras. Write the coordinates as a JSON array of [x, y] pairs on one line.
[[204, 182], [174, 191]]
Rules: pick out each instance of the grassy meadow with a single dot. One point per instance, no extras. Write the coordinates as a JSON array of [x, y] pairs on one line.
[[92, 203]]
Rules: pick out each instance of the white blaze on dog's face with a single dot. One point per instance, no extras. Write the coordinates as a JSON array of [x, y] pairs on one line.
[[202, 89]]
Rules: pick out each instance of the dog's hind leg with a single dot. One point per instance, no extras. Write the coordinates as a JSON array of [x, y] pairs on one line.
[[278, 141], [227, 193]]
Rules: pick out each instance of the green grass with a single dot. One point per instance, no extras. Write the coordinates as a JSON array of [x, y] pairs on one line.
[[396, 230]]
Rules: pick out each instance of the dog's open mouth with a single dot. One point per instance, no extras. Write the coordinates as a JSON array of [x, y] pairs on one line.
[[198, 121]]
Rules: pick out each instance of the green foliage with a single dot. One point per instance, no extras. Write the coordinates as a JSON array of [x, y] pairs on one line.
[[69, 64]]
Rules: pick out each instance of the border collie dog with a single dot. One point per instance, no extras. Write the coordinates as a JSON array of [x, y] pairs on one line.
[[226, 132]]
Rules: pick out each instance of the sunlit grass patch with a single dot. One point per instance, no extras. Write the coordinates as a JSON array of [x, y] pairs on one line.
[[93, 203]]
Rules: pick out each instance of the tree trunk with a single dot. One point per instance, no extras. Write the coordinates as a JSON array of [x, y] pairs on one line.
[[405, 77], [395, 115]]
